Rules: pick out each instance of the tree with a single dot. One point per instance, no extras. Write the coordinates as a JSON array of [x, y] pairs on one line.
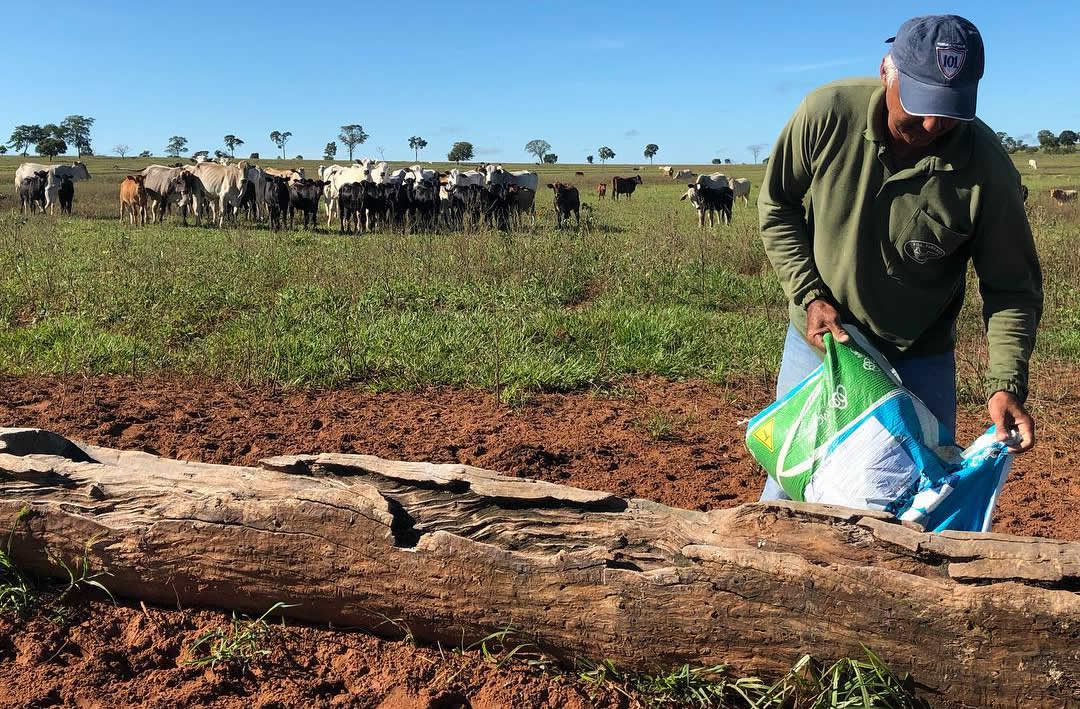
[[1047, 139], [727, 161], [539, 148], [299, 157], [3, 149], [121, 149], [605, 153], [416, 143], [1007, 142], [351, 136], [51, 147], [717, 161], [77, 129], [650, 150], [589, 159], [756, 149], [551, 159], [144, 154], [25, 136], [177, 144], [379, 149], [232, 143], [462, 150], [1067, 138], [198, 153], [330, 151], [253, 156], [220, 154], [280, 139]]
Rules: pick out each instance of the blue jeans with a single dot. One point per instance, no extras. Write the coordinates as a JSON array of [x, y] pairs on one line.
[[932, 379]]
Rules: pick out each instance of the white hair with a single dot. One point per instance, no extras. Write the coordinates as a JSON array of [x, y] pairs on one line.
[[891, 72]]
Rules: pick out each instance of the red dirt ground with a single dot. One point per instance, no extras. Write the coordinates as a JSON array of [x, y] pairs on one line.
[[675, 442]]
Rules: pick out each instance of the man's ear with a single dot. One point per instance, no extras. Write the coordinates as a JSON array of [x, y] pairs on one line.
[[881, 72]]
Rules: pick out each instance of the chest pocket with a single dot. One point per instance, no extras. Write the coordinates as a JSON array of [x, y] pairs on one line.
[[926, 251]]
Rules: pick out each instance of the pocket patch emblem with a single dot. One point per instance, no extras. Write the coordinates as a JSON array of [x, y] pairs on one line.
[[923, 251]]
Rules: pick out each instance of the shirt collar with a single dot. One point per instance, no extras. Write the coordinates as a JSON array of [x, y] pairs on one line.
[[950, 154]]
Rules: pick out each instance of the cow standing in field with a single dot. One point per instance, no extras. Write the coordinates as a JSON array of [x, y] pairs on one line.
[[221, 187], [496, 175], [76, 171], [133, 199], [624, 186], [565, 198], [1033, 165], [601, 190], [167, 185], [66, 193], [304, 196], [684, 175], [741, 188], [1062, 196], [32, 191], [276, 198], [711, 201]]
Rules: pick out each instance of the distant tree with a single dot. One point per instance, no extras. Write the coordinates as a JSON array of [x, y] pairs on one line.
[[25, 136], [253, 156], [1047, 139], [1067, 137], [539, 148], [202, 153], [232, 143], [299, 157], [351, 136], [462, 150], [1031, 148], [144, 154], [605, 153], [589, 159], [51, 147], [280, 139], [717, 161], [177, 144], [121, 149], [220, 154], [1007, 142], [379, 149], [551, 159], [3, 149], [765, 160], [727, 161], [756, 149], [330, 151], [650, 150], [77, 130], [416, 143]]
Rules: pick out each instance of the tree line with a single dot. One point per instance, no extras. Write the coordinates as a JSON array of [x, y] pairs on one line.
[[1049, 142], [52, 139]]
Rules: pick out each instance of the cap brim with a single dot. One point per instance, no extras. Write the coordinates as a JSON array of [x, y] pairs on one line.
[[921, 99]]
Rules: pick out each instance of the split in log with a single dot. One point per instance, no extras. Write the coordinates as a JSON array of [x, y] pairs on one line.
[[457, 552]]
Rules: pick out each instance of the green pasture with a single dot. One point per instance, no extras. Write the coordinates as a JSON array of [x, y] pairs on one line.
[[639, 288]]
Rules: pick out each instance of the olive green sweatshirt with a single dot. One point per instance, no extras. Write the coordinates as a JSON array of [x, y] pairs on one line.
[[891, 249]]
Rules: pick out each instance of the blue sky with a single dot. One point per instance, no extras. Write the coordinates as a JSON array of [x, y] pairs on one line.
[[700, 79]]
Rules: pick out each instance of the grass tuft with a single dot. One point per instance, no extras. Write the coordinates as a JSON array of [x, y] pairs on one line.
[[236, 647]]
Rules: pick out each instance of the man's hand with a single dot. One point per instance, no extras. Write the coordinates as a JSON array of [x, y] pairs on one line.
[[1008, 414], [821, 317]]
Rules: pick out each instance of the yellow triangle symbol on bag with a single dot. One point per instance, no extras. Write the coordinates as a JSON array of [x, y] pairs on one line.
[[764, 434]]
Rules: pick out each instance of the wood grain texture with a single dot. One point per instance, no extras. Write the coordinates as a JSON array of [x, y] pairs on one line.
[[981, 620]]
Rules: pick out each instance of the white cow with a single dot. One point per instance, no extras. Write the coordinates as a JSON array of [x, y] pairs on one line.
[[420, 174], [667, 170], [459, 178], [76, 171], [167, 185], [714, 181], [221, 186], [683, 175], [396, 177], [741, 188], [1033, 165], [290, 175], [496, 175], [335, 176]]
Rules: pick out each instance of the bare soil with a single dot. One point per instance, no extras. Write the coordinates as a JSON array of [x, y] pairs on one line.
[[675, 442]]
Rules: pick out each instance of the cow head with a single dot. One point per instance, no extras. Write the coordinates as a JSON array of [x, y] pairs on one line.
[[691, 193], [42, 174]]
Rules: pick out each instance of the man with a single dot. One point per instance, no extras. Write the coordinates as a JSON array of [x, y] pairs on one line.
[[905, 185]]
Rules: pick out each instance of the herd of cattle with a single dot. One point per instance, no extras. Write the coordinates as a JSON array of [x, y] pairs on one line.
[[361, 197]]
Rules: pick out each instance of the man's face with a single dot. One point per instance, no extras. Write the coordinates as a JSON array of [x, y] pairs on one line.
[[912, 131]]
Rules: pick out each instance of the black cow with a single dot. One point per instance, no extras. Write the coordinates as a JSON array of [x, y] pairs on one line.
[[376, 205], [465, 202], [276, 198], [32, 191], [304, 196], [1024, 192], [248, 204], [350, 205], [425, 204], [566, 200], [399, 202], [712, 201], [495, 203], [624, 185], [66, 194]]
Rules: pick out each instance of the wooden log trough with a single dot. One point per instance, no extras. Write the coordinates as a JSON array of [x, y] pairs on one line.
[[980, 620]]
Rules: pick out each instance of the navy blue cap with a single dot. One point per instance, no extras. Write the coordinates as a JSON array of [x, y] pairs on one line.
[[940, 60]]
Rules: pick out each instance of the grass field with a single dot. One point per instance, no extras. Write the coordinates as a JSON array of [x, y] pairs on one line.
[[639, 288]]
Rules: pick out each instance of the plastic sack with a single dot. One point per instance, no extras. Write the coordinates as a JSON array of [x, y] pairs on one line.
[[850, 434]]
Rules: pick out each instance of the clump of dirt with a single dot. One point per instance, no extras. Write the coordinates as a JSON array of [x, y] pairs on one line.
[[127, 655]]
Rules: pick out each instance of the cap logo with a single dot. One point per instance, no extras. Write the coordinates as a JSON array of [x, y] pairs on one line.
[[950, 59]]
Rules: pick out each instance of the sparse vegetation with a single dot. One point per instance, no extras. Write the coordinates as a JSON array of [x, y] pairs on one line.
[[237, 647]]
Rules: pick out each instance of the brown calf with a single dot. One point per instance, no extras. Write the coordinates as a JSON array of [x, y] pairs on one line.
[[601, 190], [133, 198]]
